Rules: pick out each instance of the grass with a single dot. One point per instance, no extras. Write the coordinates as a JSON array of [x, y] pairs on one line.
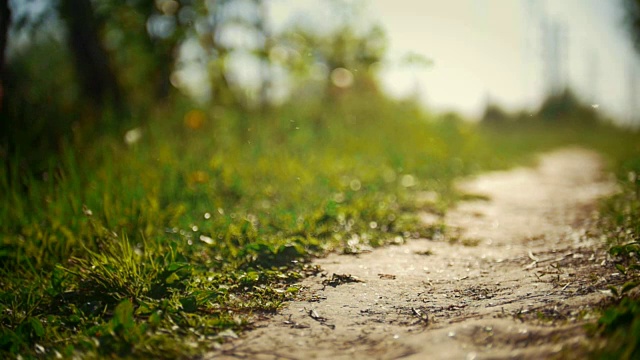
[[163, 246], [618, 329], [616, 335]]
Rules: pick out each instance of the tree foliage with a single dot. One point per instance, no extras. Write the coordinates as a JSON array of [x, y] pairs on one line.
[[632, 20], [5, 17], [566, 106], [138, 55], [96, 77]]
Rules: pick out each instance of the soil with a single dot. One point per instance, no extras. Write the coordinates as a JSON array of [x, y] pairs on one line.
[[519, 278]]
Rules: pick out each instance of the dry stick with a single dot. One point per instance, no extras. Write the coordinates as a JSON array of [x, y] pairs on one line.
[[322, 320], [536, 262]]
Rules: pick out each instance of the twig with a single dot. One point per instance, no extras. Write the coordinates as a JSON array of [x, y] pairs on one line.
[[322, 320]]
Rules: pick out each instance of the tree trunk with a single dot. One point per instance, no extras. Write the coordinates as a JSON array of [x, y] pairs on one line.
[[5, 20], [96, 77]]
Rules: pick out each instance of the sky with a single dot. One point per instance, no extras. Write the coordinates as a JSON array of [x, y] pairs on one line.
[[498, 51]]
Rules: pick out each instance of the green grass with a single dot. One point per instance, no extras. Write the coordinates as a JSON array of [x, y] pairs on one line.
[[163, 247], [616, 335], [159, 247], [618, 329]]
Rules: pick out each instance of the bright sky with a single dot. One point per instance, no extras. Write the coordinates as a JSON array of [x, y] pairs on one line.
[[494, 49]]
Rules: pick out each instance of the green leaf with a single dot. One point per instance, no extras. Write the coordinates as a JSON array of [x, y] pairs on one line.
[[615, 250], [614, 291], [634, 267], [144, 309], [175, 266], [172, 278], [37, 327], [154, 319], [629, 286], [123, 314], [621, 268], [57, 278]]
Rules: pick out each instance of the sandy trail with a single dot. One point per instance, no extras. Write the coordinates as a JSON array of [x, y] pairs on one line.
[[515, 285]]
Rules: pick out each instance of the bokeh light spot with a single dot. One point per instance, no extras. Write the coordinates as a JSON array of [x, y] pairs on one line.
[[342, 78]]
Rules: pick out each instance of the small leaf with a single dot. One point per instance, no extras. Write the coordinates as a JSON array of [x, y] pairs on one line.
[[123, 314], [614, 291], [154, 319], [37, 327], [172, 278], [176, 266], [57, 278], [621, 268], [634, 267], [143, 309], [615, 250], [629, 286]]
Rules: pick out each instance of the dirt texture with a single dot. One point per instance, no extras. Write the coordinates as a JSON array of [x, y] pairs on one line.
[[517, 277]]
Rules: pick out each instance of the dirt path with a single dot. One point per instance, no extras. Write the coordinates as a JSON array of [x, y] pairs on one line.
[[516, 284]]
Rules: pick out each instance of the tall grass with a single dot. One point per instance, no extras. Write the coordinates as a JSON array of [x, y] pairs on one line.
[[208, 218], [161, 246]]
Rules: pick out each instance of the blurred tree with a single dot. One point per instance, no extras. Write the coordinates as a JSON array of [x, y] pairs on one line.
[[494, 114], [38, 106], [417, 60], [632, 20], [348, 57], [265, 37], [356, 52], [238, 31], [565, 107], [217, 17], [143, 37], [5, 19], [129, 53], [97, 79]]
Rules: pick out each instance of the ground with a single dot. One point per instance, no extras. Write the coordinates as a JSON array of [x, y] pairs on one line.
[[517, 276]]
